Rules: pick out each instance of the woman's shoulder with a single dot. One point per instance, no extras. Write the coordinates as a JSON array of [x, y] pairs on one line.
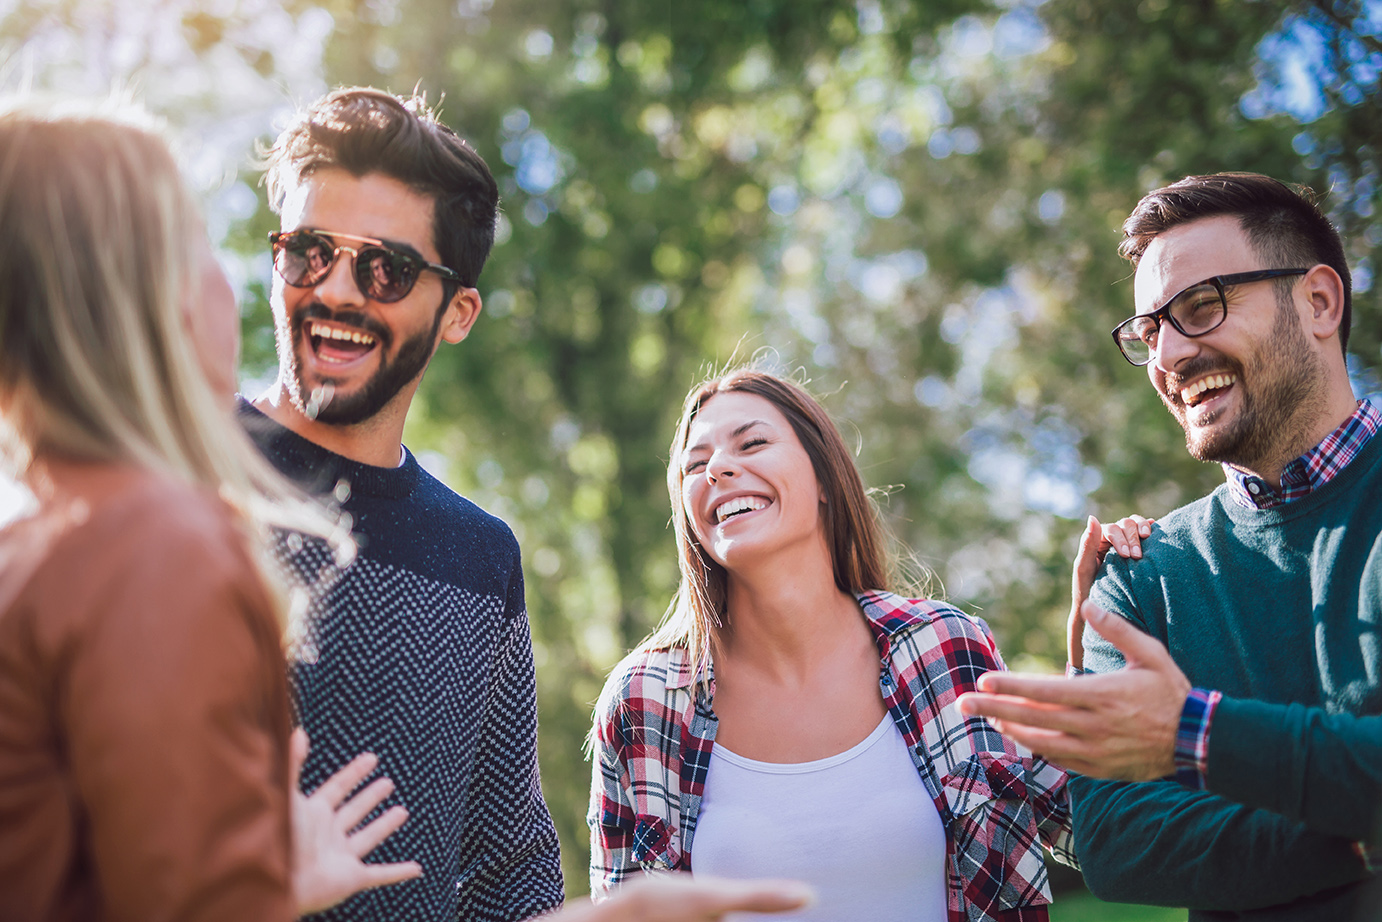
[[648, 671], [648, 683], [894, 613], [121, 525]]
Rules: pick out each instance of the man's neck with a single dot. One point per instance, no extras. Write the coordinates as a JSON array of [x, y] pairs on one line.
[[1341, 407], [378, 441]]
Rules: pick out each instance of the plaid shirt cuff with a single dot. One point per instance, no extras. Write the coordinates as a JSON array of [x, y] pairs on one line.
[[1192, 738]]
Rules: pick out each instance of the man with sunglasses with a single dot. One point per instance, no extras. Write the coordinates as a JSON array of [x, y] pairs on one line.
[[418, 650], [1236, 709]]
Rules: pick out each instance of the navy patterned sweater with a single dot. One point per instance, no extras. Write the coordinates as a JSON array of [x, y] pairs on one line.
[[419, 652]]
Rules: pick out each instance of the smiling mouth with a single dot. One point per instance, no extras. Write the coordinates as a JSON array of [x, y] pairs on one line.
[[1206, 388], [738, 506], [337, 344]]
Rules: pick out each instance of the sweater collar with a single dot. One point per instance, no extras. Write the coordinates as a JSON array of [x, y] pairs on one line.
[[320, 471]]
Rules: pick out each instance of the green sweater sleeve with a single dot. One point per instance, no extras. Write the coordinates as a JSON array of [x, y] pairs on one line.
[[1158, 843], [1308, 765], [1162, 844]]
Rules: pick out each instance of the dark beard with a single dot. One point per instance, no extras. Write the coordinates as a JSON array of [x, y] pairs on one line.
[[1289, 377], [323, 403]]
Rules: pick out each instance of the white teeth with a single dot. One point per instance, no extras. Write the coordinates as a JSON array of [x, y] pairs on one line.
[[739, 504], [326, 332], [1193, 391]]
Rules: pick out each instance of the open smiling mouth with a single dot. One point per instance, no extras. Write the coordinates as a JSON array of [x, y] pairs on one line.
[[1206, 389], [338, 345], [738, 506]]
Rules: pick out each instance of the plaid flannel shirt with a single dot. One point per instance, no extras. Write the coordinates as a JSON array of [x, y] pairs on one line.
[[654, 730]]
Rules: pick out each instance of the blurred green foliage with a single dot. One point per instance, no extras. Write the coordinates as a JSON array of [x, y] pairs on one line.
[[915, 206]]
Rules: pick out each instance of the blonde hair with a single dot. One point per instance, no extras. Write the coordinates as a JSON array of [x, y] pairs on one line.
[[102, 250], [857, 539]]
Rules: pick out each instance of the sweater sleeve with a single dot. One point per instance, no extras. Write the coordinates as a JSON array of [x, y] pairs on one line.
[[175, 712], [1160, 843], [509, 870], [1313, 767]]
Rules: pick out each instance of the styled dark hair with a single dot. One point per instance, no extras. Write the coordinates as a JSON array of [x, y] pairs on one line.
[[1284, 225], [363, 130], [857, 541]]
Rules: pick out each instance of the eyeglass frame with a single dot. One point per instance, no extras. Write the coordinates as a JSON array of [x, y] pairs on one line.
[[1220, 282], [397, 249]]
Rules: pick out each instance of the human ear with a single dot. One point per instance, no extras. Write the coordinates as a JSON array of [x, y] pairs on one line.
[[461, 315], [1324, 292]]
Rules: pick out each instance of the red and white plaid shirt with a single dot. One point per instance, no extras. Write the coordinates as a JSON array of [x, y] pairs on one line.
[[655, 728]]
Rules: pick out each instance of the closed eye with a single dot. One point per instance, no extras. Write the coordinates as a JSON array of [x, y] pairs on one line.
[[692, 466], [753, 443]]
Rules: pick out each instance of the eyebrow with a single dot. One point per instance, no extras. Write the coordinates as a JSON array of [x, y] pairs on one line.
[[701, 446]]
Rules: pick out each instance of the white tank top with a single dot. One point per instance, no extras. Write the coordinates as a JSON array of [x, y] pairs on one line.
[[858, 826]]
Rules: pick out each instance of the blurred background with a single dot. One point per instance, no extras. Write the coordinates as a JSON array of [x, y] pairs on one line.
[[913, 206]]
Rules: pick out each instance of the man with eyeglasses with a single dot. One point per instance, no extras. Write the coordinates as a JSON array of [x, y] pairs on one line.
[[418, 650], [1235, 716]]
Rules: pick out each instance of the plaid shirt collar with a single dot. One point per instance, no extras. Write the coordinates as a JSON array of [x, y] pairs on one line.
[[887, 614], [1313, 469]]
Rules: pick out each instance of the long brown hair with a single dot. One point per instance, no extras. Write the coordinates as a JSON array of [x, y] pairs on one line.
[[856, 538]]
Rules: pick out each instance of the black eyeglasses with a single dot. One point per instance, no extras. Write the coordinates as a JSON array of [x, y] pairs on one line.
[[382, 271], [1195, 311]]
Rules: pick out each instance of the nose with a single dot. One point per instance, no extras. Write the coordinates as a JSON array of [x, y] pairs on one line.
[[719, 465], [1172, 348], [338, 286]]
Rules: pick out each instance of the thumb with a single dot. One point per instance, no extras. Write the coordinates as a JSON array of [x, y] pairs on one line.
[[1087, 560], [297, 754], [1138, 649]]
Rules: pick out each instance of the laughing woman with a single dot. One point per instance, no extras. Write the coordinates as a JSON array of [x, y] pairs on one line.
[[791, 718]]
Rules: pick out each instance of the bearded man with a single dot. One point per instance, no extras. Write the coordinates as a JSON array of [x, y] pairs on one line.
[[419, 650], [1235, 718]]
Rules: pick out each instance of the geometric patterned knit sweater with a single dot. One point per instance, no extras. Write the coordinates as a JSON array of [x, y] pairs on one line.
[[419, 652]]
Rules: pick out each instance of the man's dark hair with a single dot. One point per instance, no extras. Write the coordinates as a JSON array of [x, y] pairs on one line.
[[363, 130], [1284, 225]]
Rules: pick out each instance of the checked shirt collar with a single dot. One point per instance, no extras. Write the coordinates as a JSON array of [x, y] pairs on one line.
[[1313, 469]]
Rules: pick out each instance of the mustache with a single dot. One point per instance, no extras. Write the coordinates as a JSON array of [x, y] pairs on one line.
[[361, 321], [1197, 368]]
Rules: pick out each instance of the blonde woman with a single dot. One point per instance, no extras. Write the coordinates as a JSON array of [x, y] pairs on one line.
[[144, 720], [792, 717]]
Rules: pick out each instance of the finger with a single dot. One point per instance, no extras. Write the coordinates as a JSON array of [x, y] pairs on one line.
[[757, 896], [350, 813], [1051, 745], [1010, 709], [335, 788], [1137, 648], [1083, 692], [1087, 561], [1130, 538], [372, 834], [382, 875], [298, 746]]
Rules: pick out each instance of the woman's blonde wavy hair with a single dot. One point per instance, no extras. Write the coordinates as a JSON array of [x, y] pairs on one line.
[[102, 250]]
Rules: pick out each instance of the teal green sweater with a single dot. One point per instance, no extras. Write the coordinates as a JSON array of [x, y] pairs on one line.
[[1281, 611]]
